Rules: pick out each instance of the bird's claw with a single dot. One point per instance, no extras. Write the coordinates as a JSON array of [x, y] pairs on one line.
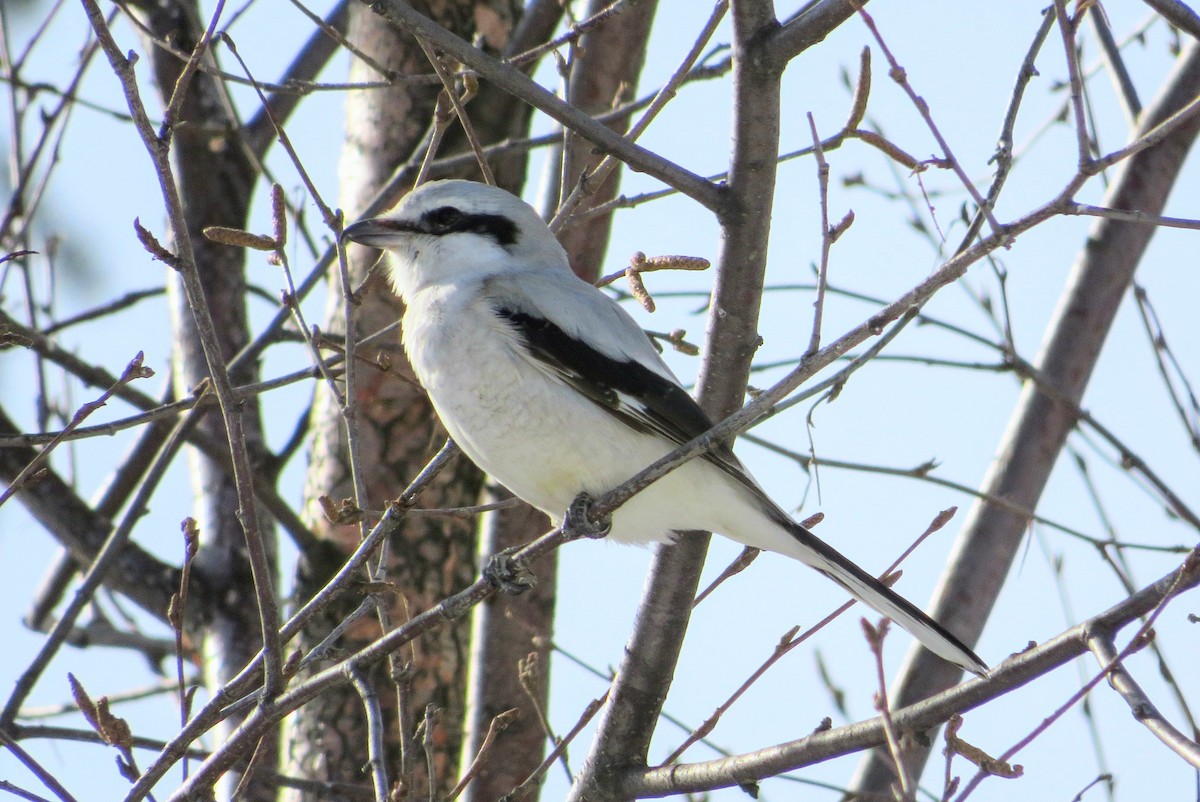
[[508, 574], [578, 522]]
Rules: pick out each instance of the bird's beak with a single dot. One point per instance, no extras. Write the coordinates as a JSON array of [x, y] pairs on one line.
[[374, 232]]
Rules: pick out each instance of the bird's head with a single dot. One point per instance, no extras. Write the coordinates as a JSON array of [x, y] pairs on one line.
[[448, 230]]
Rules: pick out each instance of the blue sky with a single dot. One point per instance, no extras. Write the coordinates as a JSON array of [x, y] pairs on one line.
[[962, 58]]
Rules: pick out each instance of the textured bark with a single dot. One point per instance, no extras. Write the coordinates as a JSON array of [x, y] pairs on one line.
[[217, 179], [507, 631], [396, 432], [992, 536]]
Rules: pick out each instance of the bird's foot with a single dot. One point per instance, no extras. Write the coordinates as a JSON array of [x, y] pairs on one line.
[[578, 522], [508, 574]]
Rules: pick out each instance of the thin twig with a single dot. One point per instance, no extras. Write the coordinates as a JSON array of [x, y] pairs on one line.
[[512, 80], [227, 699], [1122, 80], [183, 82], [1013, 673], [260, 564], [134, 370], [460, 112], [1183, 398], [527, 669], [572, 35], [899, 75], [498, 724], [787, 643], [27, 760], [530, 783], [1004, 143], [263, 717], [827, 237], [875, 638], [1174, 583], [375, 729], [107, 555], [1144, 711], [667, 93], [1132, 216]]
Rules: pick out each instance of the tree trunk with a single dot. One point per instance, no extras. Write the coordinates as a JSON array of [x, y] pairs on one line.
[[396, 433]]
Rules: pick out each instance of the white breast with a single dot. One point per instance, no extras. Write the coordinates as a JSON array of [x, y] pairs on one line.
[[539, 437], [500, 409]]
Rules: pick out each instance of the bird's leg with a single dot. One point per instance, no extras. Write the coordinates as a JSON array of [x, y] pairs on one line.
[[508, 574], [578, 522]]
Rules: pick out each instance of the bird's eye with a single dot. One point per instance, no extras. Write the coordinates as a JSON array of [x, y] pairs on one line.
[[443, 220]]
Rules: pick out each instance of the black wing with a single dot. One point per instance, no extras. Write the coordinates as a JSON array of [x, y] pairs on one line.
[[629, 391]]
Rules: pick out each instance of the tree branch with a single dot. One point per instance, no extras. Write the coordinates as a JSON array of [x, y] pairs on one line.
[[806, 28], [515, 82], [644, 677], [991, 536], [1015, 672]]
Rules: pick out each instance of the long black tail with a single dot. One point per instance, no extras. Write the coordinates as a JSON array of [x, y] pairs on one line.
[[870, 591]]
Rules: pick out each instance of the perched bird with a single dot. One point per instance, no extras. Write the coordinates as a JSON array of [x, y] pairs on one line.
[[553, 389]]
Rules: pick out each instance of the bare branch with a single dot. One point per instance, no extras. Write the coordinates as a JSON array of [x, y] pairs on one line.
[[806, 28], [39, 771], [134, 370], [900, 76], [1139, 703], [263, 717], [114, 550], [991, 536], [1121, 78], [307, 64], [375, 727], [827, 238], [83, 532], [1178, 14], [512, 80], [259, 563], [1013, 673]]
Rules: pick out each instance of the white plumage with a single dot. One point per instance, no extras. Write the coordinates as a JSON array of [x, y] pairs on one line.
[[553, 389]]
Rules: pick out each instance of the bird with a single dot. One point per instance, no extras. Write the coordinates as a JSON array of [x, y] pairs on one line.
[[553, 389]]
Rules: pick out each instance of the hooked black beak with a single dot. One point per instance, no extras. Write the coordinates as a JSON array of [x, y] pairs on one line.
[[375, 232]]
